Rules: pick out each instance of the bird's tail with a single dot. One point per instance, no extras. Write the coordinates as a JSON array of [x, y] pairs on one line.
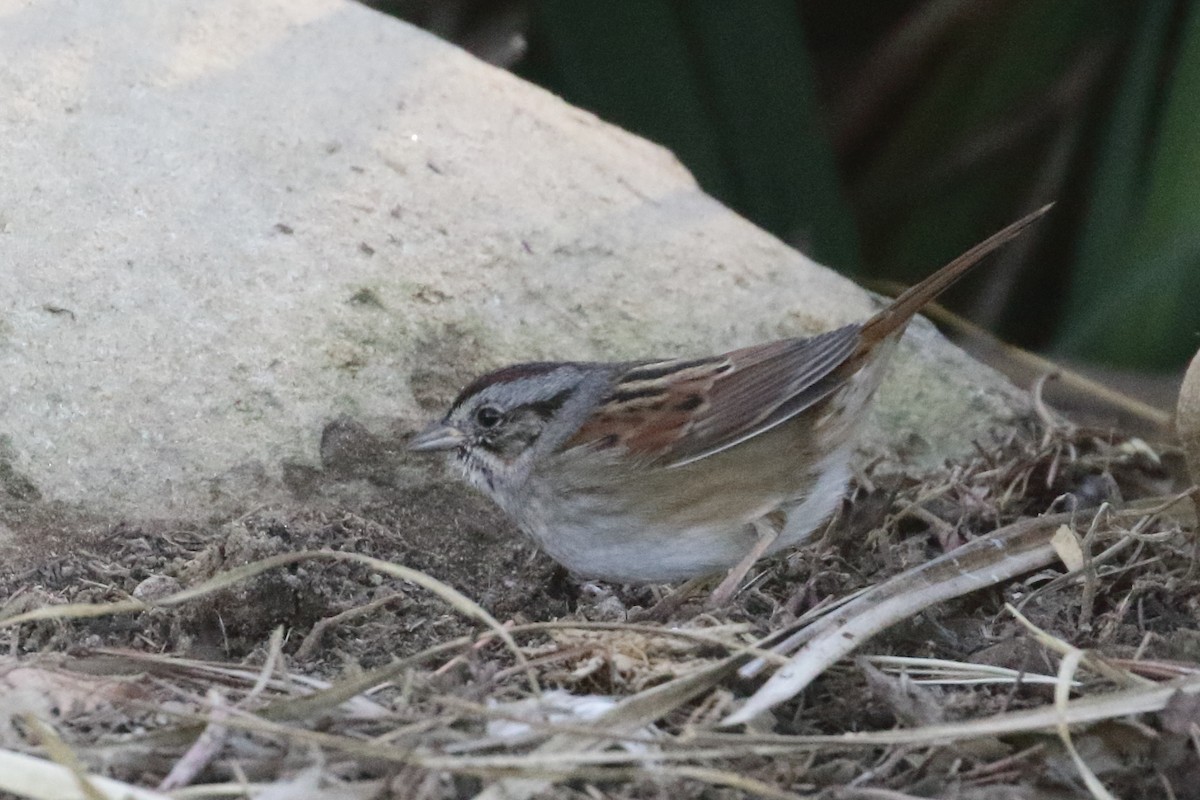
[[898, 312]]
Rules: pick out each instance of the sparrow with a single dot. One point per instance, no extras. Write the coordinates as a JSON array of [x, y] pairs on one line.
[[659, 470]]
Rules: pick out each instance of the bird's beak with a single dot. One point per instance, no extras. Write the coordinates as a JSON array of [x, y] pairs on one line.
[[437, 436]]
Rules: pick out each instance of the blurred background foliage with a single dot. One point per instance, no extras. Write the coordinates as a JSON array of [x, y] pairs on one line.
[[883, 137]]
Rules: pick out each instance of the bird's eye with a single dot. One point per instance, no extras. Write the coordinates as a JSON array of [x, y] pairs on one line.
[[488, 416]]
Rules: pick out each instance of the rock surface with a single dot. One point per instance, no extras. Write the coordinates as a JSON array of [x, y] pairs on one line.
[[246, 246]]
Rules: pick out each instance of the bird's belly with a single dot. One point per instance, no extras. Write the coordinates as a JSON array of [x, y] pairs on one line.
[[625, 549], [674, 524]]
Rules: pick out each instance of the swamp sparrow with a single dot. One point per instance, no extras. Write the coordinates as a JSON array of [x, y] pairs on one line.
[[652, 471]]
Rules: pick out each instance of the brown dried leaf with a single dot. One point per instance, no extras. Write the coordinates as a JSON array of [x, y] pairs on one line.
[[46, 692], [1067, 546]]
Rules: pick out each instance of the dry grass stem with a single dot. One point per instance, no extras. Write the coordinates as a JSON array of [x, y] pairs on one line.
[[1038, 601]]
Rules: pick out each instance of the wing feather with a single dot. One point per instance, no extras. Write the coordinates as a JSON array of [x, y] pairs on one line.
[[677, 412], [767, 386]]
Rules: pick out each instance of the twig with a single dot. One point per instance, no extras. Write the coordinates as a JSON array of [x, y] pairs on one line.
[[313, 639]]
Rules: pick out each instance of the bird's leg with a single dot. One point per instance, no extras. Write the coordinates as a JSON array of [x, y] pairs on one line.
[[665, 608], [767, 534]]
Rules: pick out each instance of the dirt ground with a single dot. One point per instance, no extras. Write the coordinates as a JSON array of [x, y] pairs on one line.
[[335, 621]]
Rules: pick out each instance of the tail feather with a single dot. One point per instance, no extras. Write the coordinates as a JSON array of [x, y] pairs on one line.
[[901, 310]]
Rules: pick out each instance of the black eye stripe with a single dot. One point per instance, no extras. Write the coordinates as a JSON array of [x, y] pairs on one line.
[[546, 408]]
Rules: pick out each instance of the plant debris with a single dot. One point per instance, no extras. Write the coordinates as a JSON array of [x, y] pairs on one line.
[[361, 653]]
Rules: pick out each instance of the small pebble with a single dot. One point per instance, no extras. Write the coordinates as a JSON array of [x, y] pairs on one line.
[[156, 587]]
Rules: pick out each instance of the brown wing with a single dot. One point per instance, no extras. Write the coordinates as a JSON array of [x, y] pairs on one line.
[[678, 412], [682, 411]]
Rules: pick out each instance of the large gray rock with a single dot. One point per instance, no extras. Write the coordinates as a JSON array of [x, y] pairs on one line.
[[225, 224]]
